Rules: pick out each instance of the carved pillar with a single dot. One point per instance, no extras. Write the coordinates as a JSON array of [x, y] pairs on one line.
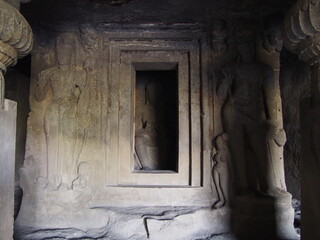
[[15, 42], [301, 30]]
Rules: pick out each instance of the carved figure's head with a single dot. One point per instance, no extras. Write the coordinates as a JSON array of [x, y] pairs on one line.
[[89, 37], [245, 39], [65, 48], [273, 37], [222, 142], [219, 34]]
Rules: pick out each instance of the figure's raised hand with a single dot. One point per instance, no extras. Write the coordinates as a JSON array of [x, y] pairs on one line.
[[229, 74]]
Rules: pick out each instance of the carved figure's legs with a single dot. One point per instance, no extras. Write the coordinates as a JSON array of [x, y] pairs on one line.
[[70, 137], [260, 145], [221, 180], [147, 152], [225, 186], [238, 151], [53, 146], [216, 178], [233, 124], [141, 151]]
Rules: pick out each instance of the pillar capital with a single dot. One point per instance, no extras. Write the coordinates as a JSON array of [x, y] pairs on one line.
[[16, 40], [301, 30]]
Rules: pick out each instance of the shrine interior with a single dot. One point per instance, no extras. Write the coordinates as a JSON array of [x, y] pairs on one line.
[[159, 119]]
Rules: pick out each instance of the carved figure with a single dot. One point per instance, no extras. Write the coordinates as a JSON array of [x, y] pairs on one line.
[[84, 174], [272, 36], [63, 130], [149, 132], [28, 175], [218, 37], [89, 38], [249, 115], [268, 52], [221, 161]]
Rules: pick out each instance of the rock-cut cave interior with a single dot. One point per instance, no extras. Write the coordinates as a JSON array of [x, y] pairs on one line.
[[159, 119]]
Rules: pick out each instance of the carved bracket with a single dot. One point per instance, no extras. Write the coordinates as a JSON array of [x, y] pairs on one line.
[[16, 40], [301, 30]]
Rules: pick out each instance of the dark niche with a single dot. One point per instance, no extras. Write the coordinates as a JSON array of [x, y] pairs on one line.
[[156, 120]]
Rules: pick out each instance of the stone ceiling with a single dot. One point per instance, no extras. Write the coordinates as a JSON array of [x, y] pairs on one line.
[[62, 13]]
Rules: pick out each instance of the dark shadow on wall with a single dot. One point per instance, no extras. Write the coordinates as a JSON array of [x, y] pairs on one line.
[[17, 89], [295, 86]]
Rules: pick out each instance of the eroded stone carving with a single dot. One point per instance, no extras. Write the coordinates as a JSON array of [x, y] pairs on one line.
[[219, 34], [84, 174], [89, 38], [149, 132], [268, 52], [249, 117], [301, 29], [28, 175], [16, 40], [272, 36], [65, 113], [221, 173]]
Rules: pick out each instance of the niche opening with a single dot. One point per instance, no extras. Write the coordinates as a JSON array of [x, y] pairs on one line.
[[156, 121]]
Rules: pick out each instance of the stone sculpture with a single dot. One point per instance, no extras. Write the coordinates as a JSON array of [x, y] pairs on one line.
[[219, 34], [148, 137], [89, 38], [221, 173], [268, 52], [84, 174], [249, 116], [63, 129], [16, 41]]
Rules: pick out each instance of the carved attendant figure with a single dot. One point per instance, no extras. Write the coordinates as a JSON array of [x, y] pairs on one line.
[[62, 128], [249, 115], [221, 161]]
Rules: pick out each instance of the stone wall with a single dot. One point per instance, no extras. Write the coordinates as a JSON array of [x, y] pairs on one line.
[[83, 174], [295, 86]]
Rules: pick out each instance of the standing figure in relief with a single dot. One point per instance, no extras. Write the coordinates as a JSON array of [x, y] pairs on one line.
[[221, 161], [63, 131], [249, 116], [149, 129]]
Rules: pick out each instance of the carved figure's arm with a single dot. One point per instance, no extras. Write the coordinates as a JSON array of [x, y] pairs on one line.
[[272, 99], [84, 100], [270, 94], [43, 85], [224, 87]]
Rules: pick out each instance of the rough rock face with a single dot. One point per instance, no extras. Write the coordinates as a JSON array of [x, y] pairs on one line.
[[295, 86]]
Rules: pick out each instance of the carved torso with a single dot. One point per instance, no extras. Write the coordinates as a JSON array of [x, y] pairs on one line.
[[63, 81], [246, 90]]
